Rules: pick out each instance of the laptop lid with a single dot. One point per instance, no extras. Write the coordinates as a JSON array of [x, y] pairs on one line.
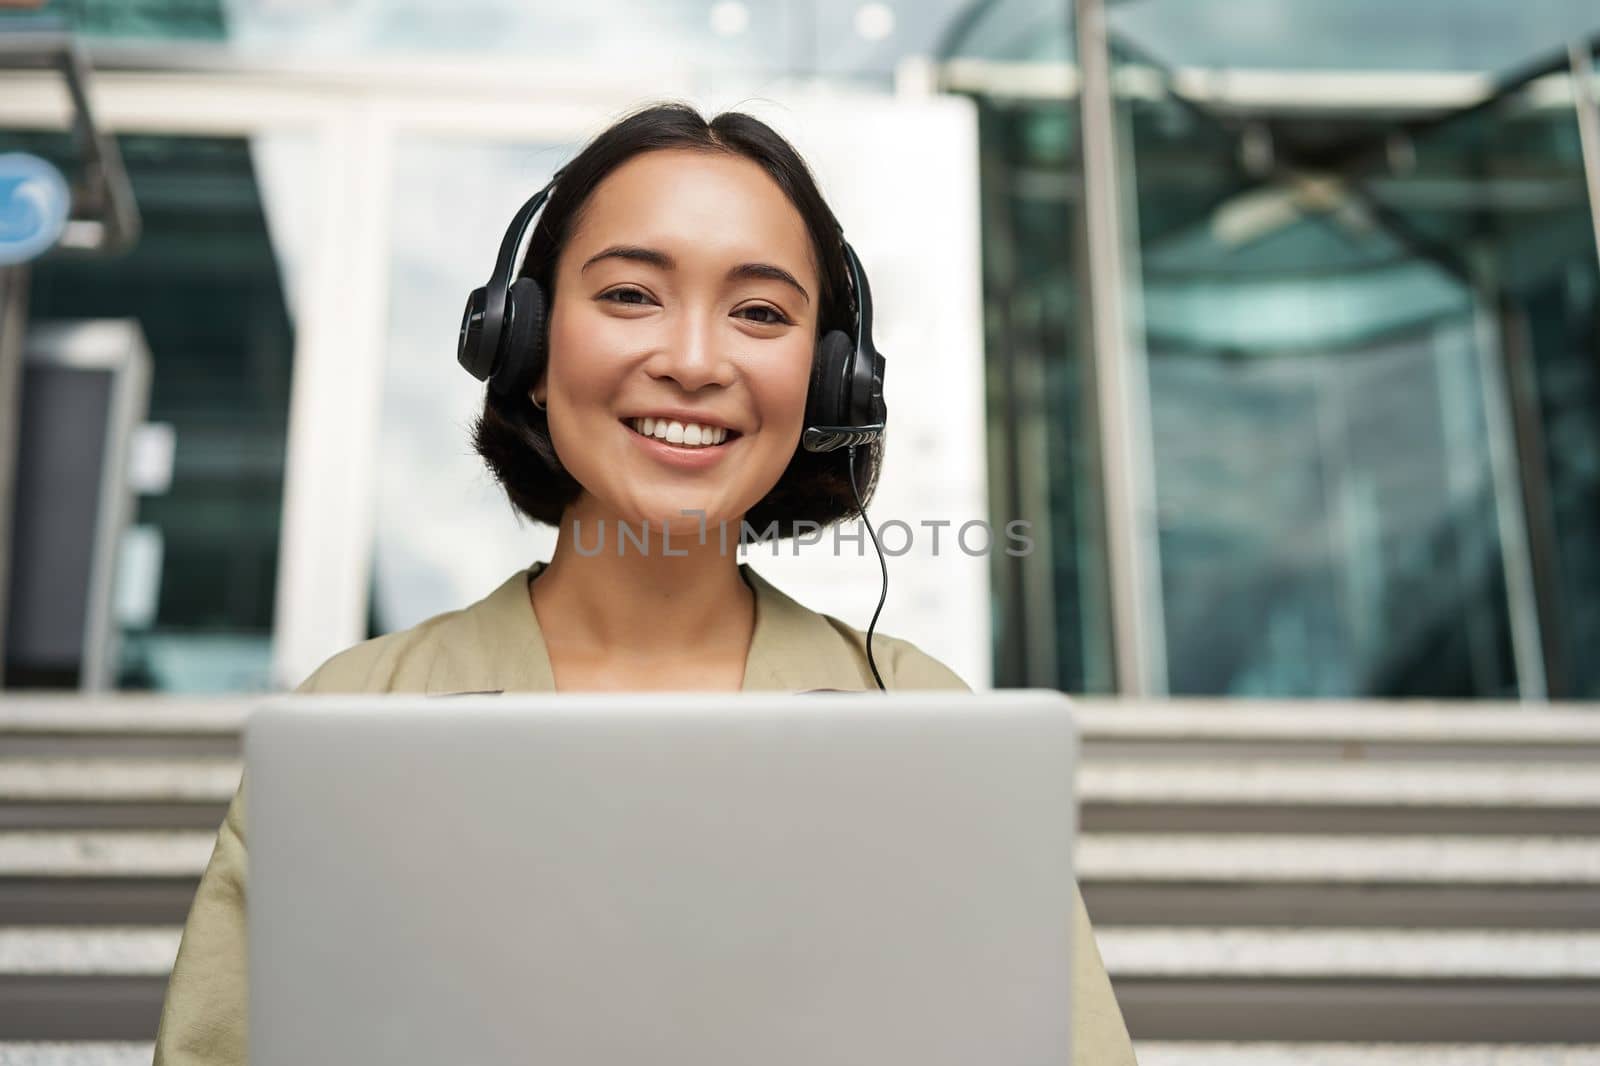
[[627, 878]]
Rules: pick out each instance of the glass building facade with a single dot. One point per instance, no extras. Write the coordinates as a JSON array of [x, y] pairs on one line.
[[1357, 448], [1360, 290]]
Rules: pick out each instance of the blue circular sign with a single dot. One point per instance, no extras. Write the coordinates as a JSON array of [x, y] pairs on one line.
[[34, 206]]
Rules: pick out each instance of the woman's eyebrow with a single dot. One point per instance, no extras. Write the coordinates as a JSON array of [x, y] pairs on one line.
[[648, 256], [656, 258], [770, 272]]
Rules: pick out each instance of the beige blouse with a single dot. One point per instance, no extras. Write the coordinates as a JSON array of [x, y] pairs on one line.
[[495, 645]]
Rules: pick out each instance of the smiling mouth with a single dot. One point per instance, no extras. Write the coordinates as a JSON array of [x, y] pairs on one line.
[[689, 436]]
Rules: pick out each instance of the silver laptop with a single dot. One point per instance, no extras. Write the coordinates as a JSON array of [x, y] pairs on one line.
[[725, 880]]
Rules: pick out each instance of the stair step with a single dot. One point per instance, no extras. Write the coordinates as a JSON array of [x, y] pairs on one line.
[[114, 815], [1330, 721], [76, 1053], [1222, 1053], [1244, 782], [1248, 782], [81, 1007], [1337, 722], [1320, 904], [97, 951], [97, 901], [1354, 859], [104, 854], [1343, 1010], [1143, 857], [1150, 1052], [120, 780], [20, 714], [1174, 984], [1157, 952], [1350, 954]]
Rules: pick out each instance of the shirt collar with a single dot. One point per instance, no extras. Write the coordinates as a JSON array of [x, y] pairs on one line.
[[793, 647]]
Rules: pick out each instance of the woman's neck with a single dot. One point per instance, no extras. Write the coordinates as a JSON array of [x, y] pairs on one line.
[[604, 594]]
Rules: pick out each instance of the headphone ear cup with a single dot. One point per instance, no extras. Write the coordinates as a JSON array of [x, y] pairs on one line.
[[827, 402], [471, 348], [522, 344]]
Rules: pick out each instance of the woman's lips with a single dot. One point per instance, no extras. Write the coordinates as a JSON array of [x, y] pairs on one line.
[[691, 431], [683, 456]]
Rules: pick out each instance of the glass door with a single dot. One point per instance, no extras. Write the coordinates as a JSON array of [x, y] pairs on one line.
[[1356, 331]]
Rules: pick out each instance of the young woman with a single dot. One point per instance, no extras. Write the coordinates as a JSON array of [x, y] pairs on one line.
[[687, 271]]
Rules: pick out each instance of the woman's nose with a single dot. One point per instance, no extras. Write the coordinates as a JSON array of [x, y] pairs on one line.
[[695, 355]]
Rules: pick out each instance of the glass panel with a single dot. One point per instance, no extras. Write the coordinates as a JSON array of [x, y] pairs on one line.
[[845, 38], [1010, 31], [445, 533], [186, 20], [1474, 36], [1356, 334], [1051, 620], [836, 38], [207, 285], [1488, 36], [1505, 184], [1043, 467], [1363, 336]]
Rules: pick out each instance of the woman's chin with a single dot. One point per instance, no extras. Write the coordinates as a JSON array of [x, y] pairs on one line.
[[685, 521], [696, 522]]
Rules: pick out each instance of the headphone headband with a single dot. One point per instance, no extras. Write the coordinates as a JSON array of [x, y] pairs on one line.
[[478, 347], [861, 294]]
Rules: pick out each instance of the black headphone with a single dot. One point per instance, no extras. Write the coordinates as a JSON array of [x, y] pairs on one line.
[[503, 342]]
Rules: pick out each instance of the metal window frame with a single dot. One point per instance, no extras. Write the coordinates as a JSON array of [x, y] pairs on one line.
[[1586, 105], [1121, 378]]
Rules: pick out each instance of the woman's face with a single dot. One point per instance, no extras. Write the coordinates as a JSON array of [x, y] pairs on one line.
[[687, 294]]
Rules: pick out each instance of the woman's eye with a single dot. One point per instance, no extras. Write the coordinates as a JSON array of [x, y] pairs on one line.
[[618, 295], [778, 318]]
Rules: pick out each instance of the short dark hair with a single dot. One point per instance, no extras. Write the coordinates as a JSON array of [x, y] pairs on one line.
[[513, 436]]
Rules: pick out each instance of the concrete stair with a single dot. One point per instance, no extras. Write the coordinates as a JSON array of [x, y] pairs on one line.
[[1270, 883], [1151, 1053]]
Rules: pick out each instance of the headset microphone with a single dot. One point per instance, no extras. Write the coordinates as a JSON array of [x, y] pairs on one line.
[[845, 408]]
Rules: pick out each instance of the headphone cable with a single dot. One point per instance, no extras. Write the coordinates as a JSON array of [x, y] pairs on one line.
[[850, 463]]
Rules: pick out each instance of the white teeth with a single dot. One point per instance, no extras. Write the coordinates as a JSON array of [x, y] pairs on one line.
[[688, 434]]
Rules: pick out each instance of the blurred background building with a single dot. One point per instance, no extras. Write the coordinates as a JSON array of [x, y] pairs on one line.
[[1278, 322], [1286, 337]]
